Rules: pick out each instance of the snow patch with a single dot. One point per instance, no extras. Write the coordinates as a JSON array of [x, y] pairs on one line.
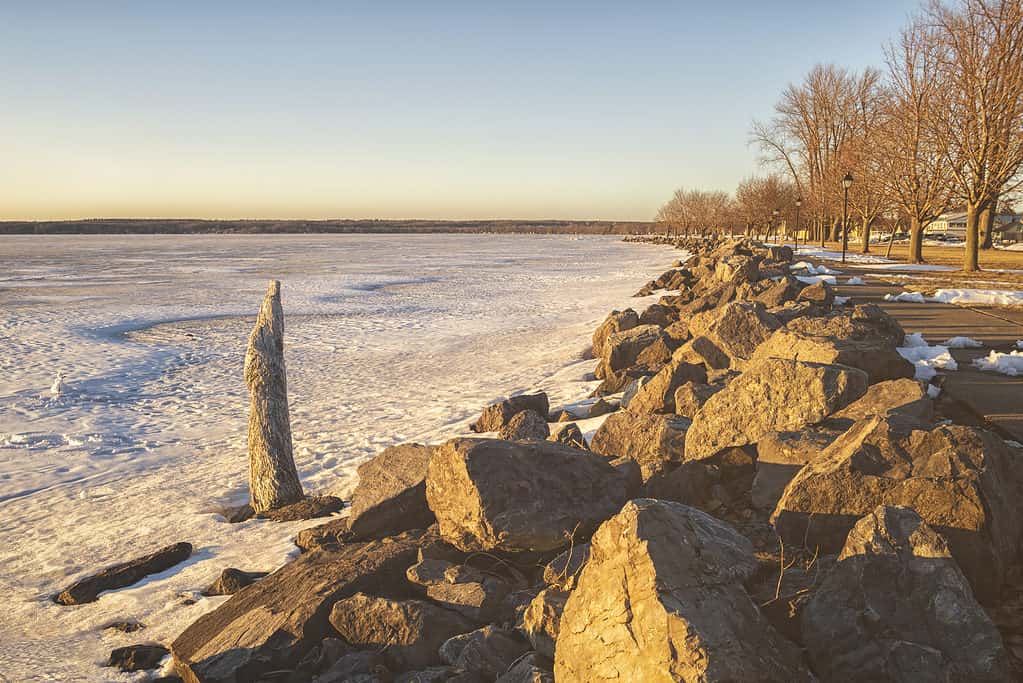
[[925, 358], [1006, 363], [814, 279], [855, 281], [906, 297], [995, 297], [963, 343]]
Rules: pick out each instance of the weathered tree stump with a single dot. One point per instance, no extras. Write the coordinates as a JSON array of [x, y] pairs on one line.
[[273, 479]]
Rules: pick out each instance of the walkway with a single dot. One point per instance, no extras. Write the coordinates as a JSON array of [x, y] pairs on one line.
[[995, 398]]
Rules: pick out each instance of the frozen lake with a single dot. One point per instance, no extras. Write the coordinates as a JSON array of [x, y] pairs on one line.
[[387, 339]]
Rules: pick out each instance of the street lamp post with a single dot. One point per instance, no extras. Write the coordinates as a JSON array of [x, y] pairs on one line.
[[795, 241], [774, 222], [846, 182]]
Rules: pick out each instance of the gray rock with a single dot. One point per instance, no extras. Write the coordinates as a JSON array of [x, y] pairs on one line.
[[658, 395], [618, 321], [391, 494], [771, 395], [532, 668], [270, 624], [960, 480], [137, 657], [329, 535], [306, 508], [409, 632], [488, 651], [896, 607], [497, 415], [569, 434], [541, 618], [563, 571], [122, 575], [662, 599], [655, 442], [525, 426], [231, 581], [519, 496], [461, 588]]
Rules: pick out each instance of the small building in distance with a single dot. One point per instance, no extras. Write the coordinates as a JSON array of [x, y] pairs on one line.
[[953, 224]]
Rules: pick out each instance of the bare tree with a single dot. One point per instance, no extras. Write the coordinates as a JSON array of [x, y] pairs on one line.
[[980, 121], [911, 156]]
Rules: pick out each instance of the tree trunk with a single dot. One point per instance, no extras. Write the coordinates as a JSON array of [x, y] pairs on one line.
[[836, 229], [987, 226], [866, 236], [971, 255], [273, 479], [916, 240]]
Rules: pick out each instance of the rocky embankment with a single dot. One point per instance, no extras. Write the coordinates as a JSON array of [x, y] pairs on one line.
[[772, 497]]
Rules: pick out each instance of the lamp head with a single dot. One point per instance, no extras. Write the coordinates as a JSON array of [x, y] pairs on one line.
[[847, 181], [799, 201]]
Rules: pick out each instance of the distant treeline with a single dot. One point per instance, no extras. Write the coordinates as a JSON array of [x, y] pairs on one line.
[[107, 226]]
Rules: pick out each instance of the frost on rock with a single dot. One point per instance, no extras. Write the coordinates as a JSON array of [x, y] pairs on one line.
[[1006, 363]]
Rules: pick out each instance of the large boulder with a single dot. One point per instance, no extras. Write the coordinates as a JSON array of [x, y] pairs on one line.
[[658, 394], [771, 395], [780, 455], [786, 289], [489, 494], [499, 414], [896, 607], [655, 442], [409, 632], [622, 350], [391, 494], [661, 599], [617, 321], [961, 481], [737, 329], [270, 624], [862, 338]]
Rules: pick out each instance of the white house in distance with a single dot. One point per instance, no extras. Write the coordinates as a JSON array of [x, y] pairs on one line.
[[953, 224]]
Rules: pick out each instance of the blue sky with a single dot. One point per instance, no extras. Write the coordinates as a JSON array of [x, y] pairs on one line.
[[398, 110]]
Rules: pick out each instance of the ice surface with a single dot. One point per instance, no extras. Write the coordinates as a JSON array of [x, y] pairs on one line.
[[387, 339]]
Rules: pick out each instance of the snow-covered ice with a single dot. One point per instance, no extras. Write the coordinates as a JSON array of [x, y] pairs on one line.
[[388, 339]]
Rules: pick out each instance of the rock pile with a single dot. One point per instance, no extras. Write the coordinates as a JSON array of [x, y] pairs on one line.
[[772, 500]]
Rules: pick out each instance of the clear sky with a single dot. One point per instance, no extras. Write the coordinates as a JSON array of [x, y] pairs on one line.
[[398, 109]]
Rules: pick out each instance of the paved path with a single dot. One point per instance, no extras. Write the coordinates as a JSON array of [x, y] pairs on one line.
[[995, 398]]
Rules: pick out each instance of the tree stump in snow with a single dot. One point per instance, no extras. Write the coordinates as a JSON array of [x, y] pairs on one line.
[[273, 479]]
